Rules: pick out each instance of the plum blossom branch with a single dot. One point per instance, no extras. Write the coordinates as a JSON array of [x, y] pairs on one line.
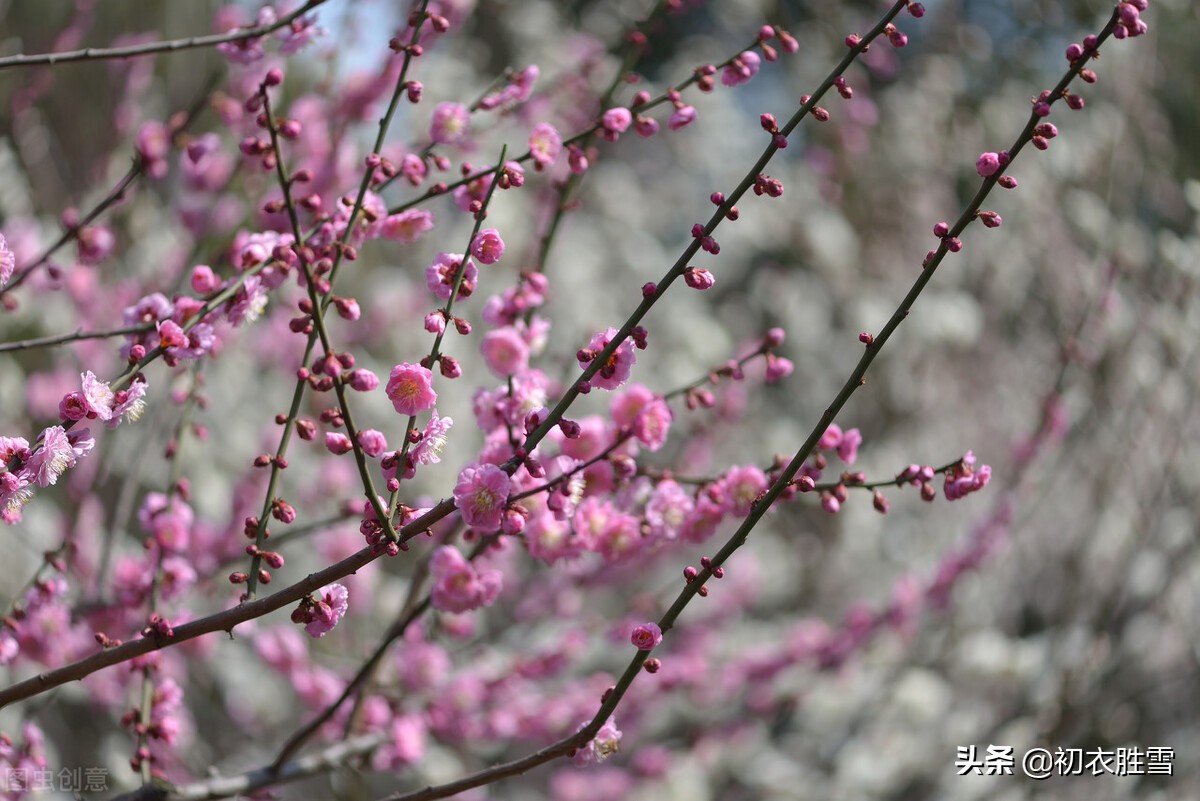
[[583, 136], [145, 729], [632, 53], [221, 621], [651, 293], [447, 315], [289, 420], [114, 196], [77, 336], [318, 318], [414, 609], [323, 761], [696, 582], [254, 608], [150, 48]]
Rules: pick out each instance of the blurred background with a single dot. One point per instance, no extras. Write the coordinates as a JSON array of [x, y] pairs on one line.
[[846, 656]]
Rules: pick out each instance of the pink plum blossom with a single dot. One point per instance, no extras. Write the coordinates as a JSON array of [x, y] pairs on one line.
[[488, 247], [646, 637], [332, 606], [681, 118], [441, 275], [742, 486], [410, 389], [97, 397], [338, 443], [606, 743], [615, 371], [407, 226], [988, 164], [480, 496], [965, 478], [616, 120], [8, 261], [451, 124], [53, 457], [457, 585], [433, 440], [373, 442], [741, 69], [504, 351], [545, 145], [848, 448]]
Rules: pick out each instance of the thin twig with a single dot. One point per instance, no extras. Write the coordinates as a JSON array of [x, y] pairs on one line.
[[150, 48]]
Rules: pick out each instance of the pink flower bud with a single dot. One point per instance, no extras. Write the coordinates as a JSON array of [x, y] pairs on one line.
[[681, 118], [646, 637], [373, 442], [988, 164], [362, 380], [338, 443], [698, 278]]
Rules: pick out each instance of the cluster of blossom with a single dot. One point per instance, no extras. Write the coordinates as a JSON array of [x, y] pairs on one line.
[[606, 743], [1129, 19], [581, 490], [8, 262], [964, 477], [319, 616], [293, 37], [166, 703], [34, 623], [59, 447], [19, 765]]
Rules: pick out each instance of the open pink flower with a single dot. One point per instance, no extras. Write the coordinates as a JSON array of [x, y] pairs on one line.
[[615, 371], [505, 351], [441, 275], [332, 606], [831, 438], [742, 485], [451, 124], [433, 440], [457, 586], [404, 746], [480, 496], [8, 261], [647, 415], [410, 388], [52, 459], [606, 743], [97, 397], [407, 226], [848, 448], [965, 478], [130, 403], [168, 520], [545, 145]]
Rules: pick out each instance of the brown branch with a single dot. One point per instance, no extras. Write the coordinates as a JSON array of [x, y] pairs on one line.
[[221, 621], [114, 196], [150, 48], [59, 339]]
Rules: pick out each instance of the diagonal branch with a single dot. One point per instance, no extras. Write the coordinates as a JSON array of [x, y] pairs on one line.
[[150, 48]]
